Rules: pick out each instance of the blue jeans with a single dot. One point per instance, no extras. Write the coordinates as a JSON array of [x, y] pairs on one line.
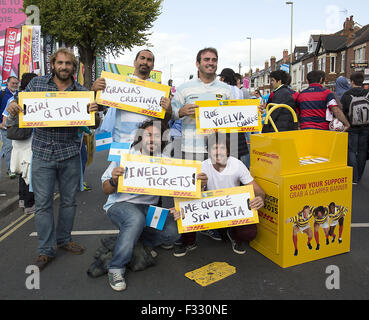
[[44, 176], [357, 151], [130, 218], [6, 149]]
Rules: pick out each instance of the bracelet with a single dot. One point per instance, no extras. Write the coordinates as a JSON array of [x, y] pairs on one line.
[[111, 181]]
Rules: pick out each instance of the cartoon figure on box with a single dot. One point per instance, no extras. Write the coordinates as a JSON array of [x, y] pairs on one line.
[[321, 219], [301, 224], [337, 215]]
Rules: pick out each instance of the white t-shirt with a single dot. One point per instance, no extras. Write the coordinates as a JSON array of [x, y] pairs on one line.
[[233, 174]]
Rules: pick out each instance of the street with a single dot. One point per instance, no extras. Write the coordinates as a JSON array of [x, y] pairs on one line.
[[256, 277]]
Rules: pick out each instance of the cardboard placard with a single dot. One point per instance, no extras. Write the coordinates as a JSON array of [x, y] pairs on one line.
[[160, 176], [133, 94], [56, 109], [228, 116], [220, 208]]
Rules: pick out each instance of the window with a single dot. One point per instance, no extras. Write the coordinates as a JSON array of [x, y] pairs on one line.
[[359, 55], [332, 68], [303, 73], [309, 67]]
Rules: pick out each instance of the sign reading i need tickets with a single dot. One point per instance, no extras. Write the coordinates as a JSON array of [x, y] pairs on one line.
[[228, 116], [56, 109], [220, 208], [133, 94], [160, 176]]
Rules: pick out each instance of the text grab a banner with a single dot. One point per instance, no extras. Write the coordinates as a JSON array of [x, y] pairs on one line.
[[56, 109], [132, 94]]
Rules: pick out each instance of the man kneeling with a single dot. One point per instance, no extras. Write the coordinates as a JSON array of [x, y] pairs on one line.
[[128, 211]]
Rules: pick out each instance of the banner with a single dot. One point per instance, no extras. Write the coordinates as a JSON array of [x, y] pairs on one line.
[[160, 176], [124, 70], [36, 50], [133, 95], [217, 209], [48, 50], [56, 109], [9, 50], [228, 116], [25, 51]]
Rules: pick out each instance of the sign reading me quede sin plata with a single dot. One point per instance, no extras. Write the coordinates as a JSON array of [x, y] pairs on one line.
[[133, 94]]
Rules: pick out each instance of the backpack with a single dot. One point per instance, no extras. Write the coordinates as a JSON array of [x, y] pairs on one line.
[[359, 111]]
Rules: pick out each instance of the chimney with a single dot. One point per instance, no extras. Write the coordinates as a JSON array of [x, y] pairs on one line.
[[266, 64], [285, 56], [272, 62], [348, 29]]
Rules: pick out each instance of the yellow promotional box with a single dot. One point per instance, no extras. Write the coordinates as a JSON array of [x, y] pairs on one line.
[[308, 187]]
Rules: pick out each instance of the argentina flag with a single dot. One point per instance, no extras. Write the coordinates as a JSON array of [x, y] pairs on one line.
[[103, 141], [116, 149], [156, 217]]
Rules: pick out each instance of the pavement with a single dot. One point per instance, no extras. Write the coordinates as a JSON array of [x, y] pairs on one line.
[[8, 191]]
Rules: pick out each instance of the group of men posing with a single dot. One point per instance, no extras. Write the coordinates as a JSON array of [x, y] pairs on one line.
[[56, 159]]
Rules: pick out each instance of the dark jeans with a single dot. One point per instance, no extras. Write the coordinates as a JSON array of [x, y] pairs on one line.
[[25, 194], [357, 151]]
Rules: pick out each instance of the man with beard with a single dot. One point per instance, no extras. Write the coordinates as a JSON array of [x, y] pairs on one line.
[[56, 157], [123, 124]]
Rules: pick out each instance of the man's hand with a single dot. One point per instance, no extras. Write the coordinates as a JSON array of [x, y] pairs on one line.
[[187, 110], [93, 107], [257, 203], [116, 173], [14, 109], [99, 84], [176, 214], [165, 104], [204, 180]]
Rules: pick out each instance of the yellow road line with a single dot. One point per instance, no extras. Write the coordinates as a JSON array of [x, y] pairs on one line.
[[12, 224], [16, 227]]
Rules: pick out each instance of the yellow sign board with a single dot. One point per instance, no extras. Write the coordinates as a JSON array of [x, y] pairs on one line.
[[217, 209], [56, 109], [133, 94], [211, 273], [228, 116], [160, 176]]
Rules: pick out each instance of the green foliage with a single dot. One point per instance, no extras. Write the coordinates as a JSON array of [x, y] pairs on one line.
[[98, 25]]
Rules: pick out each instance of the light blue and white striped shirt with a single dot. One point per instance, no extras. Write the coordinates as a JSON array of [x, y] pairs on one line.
[[188, 93]]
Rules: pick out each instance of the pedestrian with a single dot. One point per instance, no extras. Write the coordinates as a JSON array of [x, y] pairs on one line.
[[123, 124], [128, 211], [56, 160], [12, 84], [21, 153], [315, 104], [205, 87], [245, 92], [342, 85], [358, 133], [281, 94], [223, 171]]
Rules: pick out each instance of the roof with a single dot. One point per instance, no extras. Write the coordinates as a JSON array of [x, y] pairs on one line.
[[331, 43], [361, 36]]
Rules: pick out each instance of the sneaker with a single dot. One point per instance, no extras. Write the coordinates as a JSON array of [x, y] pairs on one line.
[[86, 187], [181, 249], [42, 261], [29, 211], [166, 246], [237, 247], [214, 234], [116, 281], [12, 175], [73, 247], [21, 204]]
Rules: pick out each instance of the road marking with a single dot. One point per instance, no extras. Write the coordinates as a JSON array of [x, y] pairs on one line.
[[16, 227], [360, 225], [86, 233], [12, 224]]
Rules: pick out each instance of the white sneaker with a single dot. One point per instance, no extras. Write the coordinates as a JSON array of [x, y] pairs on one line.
[[116, 281]]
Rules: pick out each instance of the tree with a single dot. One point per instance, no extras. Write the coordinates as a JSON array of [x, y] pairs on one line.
[[97, 26]]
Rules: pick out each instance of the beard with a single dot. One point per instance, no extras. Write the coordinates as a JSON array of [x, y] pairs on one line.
[[62, 75]]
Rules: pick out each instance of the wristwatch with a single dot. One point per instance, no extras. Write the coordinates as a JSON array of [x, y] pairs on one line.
[[111, 181]]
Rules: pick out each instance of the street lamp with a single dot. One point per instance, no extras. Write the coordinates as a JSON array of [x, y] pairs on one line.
[[249, 38], [291, 3]]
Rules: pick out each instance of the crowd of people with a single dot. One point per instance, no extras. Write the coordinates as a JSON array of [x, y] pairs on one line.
[[56, 152]]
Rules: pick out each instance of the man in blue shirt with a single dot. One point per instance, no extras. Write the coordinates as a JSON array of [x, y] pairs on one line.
[[11, 90]]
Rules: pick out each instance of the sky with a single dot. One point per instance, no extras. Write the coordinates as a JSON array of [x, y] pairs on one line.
[[185, 27]]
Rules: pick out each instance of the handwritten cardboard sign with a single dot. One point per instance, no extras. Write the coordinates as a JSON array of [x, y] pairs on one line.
[[160, 176], [217, 209], [56, 109], [228, 116], [133, 94]]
